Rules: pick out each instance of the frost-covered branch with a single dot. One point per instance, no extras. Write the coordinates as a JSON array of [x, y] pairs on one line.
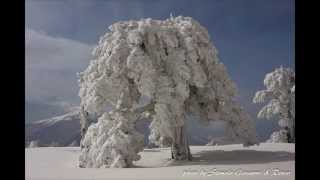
[[280, 89]]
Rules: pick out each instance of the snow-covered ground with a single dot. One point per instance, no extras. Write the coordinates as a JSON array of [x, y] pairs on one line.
[[267, 161]]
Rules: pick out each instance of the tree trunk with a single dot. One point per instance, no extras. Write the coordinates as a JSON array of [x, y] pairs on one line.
[[291, 134], [86, 120], [291, 128], [180, 146], [83, 122], [291, 117]]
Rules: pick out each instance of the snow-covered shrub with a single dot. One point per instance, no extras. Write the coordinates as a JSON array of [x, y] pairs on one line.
[[33, 144], [280, 91], [112, 141], [74, 144], [278, 137], [54, 144], [173, 64]]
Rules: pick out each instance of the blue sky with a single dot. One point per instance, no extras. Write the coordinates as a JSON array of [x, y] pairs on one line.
[[253, 37]]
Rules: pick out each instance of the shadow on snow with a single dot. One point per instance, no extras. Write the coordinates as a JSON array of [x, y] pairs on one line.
[[220, 157]]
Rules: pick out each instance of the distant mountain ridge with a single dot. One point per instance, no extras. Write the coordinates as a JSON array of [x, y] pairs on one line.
[[61, 130], [36, 111], [64, 130]]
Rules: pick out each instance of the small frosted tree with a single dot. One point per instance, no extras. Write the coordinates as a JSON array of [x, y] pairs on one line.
[[280, 136], [33, 144], [174, 65], [73, 144], [280, 91], [54, 144]]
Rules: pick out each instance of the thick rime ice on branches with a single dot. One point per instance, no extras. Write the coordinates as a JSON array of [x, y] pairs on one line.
[[280, 90], [112, 141], [172, 63]]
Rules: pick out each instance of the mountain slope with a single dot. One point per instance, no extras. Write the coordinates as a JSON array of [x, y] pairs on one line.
[[65, 130], [60, 130], [35, 111]]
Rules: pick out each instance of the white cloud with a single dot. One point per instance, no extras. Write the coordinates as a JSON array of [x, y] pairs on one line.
[[44, 51], [51, 67]]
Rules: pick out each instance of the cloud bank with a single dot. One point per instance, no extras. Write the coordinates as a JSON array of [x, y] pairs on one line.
[[51, 67]]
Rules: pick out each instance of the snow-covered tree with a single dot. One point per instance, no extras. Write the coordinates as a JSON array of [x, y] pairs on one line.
[[73, 144], [33, 144], [280, 91], [280, 136], [54, 144], [174, 65]]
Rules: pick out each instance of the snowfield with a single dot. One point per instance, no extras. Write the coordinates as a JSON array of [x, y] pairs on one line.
[[267, 161]]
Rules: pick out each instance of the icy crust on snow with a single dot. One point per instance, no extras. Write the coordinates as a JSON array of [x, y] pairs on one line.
[[174, 64], [280, 91]]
